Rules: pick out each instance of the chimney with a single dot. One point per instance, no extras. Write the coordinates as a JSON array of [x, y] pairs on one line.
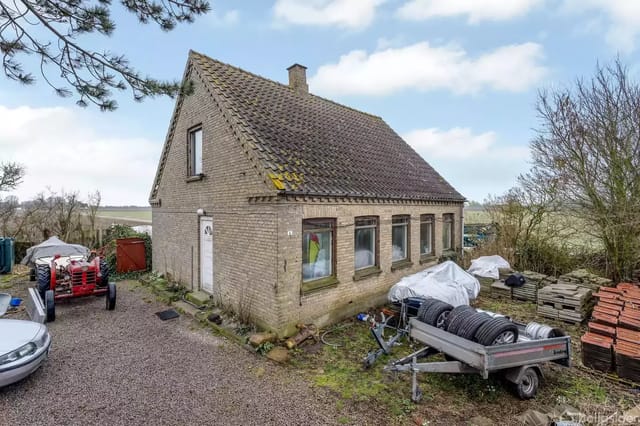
[[298, 78]]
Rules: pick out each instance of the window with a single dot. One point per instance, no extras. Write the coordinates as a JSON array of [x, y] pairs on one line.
[[426, 235], [195, 152], [447, 231], [317, 248], [366, 242], [400, 238]]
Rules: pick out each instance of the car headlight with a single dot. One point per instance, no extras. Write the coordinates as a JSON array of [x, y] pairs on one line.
[[19, 353]]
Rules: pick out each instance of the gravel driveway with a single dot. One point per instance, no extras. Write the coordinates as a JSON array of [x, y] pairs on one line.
[[126, 367]]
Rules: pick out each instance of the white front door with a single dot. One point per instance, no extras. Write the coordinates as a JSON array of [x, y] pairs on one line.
[[206, 254]]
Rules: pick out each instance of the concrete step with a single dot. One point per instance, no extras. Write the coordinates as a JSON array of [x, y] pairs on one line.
[[198, 298], [186, 308]]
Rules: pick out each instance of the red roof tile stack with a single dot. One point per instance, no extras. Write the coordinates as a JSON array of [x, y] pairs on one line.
[[613, 339]]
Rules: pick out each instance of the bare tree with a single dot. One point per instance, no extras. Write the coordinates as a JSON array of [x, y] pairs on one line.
[[93, 204], [50, 30], [588, 146], [11, 174]]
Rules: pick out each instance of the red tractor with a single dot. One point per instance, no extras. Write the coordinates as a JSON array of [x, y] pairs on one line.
[[65, 277]]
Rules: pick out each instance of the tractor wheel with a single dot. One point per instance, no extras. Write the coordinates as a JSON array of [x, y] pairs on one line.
[[104, 271], [43, 273], [111, 296], [32, 274], [50, 305]]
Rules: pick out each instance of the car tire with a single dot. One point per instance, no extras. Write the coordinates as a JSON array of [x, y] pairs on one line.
[[32, 274], [104, 272], [110, 296], [43, 274], [528, 385], [471, 324], [457, 311], [50, 305], [424, 309], [437, 314], [458, 320], [497, 331]]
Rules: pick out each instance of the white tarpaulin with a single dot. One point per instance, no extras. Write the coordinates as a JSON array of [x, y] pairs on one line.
[[446, 281], [487, 266], [51, 247]]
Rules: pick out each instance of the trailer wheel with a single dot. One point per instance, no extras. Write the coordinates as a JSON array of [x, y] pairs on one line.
[[528, 385], [457, 311], [497, 331], [471, 324], [110, 297], [43, 273], [50, 305], [104, 272], [437, 314], [458, 320], [32, 274]]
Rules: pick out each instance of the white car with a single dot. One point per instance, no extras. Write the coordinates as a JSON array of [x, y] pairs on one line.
[[24, 346]]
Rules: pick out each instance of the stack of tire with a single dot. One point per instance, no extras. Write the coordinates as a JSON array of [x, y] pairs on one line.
[[464, 321]]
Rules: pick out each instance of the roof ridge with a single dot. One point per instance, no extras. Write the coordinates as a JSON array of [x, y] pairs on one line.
[[191, 51]]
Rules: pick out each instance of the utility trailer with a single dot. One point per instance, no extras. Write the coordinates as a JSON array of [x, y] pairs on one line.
[[518, 362]]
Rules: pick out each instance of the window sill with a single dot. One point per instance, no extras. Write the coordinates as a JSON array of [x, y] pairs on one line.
[[401, 264], [361, 274], [428, 258], [322, 283], [195, 178]]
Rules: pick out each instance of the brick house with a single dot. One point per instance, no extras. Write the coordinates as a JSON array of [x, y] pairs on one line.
[[290, 206]]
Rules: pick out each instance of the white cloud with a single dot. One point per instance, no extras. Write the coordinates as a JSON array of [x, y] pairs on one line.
[[227, 19], [61, 150], [512, 68], [475, 164], [622, 18], [475, 10], [354, 14]]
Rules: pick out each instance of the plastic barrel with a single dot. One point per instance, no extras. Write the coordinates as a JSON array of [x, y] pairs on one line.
[[7, 255]]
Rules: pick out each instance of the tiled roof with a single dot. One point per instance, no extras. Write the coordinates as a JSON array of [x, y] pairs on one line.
[[310, 145]]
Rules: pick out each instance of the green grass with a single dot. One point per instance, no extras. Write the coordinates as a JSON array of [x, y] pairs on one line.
[[126, 214]]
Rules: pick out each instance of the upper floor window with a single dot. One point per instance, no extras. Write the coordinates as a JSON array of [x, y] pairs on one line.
[[195, 152], [426, 234], [366, 242], [399, 238], [447, 231], [318, 239]]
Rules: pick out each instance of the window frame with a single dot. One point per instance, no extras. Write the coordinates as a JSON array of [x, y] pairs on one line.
[[407, 226], [448, 219], [376, 241], [319, 225], [430, 220], [191, 152]]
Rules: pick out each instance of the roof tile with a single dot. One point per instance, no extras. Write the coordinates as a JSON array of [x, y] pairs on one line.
[[311, 145]]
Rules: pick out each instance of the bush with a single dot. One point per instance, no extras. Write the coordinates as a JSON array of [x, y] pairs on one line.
[[123, 231]]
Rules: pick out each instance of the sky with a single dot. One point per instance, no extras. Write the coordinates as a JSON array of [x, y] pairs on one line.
[[457, 79]]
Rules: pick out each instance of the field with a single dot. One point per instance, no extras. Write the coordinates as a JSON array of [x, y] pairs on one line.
[[476, 216], [143, 214]]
